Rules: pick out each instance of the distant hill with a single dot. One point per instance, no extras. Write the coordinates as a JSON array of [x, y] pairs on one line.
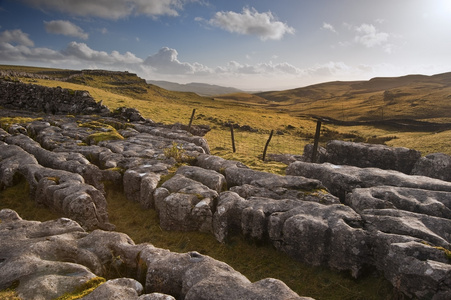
[[201, 89], [410, 97]]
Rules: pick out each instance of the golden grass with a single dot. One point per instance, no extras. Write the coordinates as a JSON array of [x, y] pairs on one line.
[[18, 198]]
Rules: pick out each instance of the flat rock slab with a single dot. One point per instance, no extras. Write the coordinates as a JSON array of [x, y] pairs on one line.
[[371, 155], [435, 165], [432, 203], [341, 180]]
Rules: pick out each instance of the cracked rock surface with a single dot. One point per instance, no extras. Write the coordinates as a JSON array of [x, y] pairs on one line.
[[348, 218]]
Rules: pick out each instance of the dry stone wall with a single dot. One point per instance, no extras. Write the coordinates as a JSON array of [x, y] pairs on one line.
[[18, 95]]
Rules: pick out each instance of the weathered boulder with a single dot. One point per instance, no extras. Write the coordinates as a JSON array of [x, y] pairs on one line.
[[418, 270], [321, 154], [435, 165], [434, 230], [190, 143], [279, 192], [219, 164], [248, 216], [68, 161], [330, 235], [49, 259], [11, 158], [119, 288], [371, 155], [29, 254], [317, 234], [210, 178], [61, 190], [140, 183], [341, 180], [195, 276], [185, 204], [432, 203]]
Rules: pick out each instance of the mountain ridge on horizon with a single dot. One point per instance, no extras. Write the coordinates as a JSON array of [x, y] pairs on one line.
[[202, 89]]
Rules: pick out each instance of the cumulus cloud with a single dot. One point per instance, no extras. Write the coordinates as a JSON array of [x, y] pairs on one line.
[[251, 22], [84, 52], [329, 27], [369, 36], [15, 46], [16, 37], [65, 28], [111, 9], [166, 62], [269, 69], [328, 69]]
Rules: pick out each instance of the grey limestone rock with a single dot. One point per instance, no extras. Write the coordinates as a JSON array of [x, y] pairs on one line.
[[341, 180], [432, 203], [219, 164], [119, 288], [371, 155], [185, 204], [210, 178], [435, 165], [195, 276], [434, 230], [49, 259], [331, 235]]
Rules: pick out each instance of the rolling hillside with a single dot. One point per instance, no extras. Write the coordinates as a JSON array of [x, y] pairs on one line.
[[412, 111], [201, 89], [407, 97]]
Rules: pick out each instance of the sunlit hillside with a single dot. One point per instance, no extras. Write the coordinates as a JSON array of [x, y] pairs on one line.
[[407, 97], [291, 114]]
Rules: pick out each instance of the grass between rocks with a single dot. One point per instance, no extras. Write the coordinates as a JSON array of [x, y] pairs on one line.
[[254, 261]]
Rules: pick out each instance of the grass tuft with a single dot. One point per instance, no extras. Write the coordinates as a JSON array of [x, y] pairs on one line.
[[83, 290]]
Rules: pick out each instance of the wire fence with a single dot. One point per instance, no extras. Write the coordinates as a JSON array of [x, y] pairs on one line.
[[252, 144]]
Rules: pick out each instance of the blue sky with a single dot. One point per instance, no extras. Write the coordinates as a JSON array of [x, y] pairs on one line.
[[252, 45]]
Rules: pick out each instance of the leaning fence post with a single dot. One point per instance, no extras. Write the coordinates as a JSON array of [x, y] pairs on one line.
[[315, 143], [267, 144], [233, 138], [191, 119]]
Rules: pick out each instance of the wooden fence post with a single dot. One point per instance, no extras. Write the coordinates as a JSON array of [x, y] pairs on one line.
[[191, 119], [267, 144], [233, 138], [315, 143]]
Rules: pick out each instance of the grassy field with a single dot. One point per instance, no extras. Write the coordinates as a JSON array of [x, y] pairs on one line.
[[289, 117]]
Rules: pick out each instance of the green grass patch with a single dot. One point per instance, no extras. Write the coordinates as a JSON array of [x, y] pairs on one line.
[[6, 122], [85, 289], [18, 198], [98, 137]]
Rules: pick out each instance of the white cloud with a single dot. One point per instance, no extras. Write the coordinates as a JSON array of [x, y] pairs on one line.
[[16, 37], [251, 22], [84, 52], [234, 67], [369, 36], [111, 9], [166, 62], [20, 53], [65, 28], [328, 26], [328, 69]]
